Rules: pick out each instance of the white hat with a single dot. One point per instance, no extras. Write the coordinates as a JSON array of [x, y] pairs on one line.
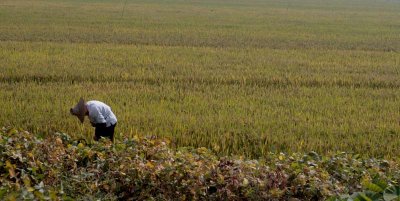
[[79, 110]]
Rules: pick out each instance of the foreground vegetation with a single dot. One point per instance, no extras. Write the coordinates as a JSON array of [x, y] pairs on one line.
[[58, 167], [239, 77]]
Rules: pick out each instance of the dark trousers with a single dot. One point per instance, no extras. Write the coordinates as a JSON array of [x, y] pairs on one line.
[[103, 131]]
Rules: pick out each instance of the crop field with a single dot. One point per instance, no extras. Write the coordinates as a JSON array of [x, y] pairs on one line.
[[242, 77]]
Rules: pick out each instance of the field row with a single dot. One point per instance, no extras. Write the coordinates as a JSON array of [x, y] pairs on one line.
[[311, 24], [53, 62], [229, 118]]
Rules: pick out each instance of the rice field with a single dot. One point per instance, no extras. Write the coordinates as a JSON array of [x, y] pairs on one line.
[[239, 77]]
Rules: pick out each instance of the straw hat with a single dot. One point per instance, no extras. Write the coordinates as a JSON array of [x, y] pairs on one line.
[[79, 110]]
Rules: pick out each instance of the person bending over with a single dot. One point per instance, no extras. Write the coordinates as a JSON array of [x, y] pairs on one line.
[[100, 115]]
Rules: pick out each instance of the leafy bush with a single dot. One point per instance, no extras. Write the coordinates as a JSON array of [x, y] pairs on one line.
[[60, 168], [377, 190]]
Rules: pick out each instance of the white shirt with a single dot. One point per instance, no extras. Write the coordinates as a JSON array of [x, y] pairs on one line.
[[99, 112]]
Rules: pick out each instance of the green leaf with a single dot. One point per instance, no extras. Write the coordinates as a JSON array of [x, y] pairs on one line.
[[361, 197], [337, 198], [381, 183], [373, 195], [392, 193], [2, 192], [373, 187]]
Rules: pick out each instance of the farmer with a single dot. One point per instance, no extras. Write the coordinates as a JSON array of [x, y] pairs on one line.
[[100, 115]]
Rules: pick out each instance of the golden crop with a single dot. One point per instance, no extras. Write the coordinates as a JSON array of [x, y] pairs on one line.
[[239, 77]]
